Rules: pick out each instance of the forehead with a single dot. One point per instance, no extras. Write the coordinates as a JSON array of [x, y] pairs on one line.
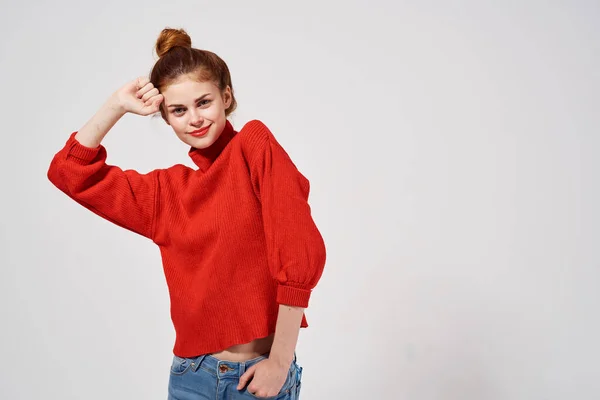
[[187, 89]]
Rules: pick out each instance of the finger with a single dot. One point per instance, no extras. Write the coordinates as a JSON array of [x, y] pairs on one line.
[[151, 106], [157, 100], [246, 377], [156, 104], [141, 81], [154, 100], [255, 391], [147, 87], [149, 94]]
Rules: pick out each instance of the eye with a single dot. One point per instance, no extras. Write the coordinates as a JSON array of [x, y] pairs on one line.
[[178, 110], [203, 102]]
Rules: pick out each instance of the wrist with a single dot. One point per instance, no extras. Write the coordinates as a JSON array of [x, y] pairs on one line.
[[115, 106], [282, 361]]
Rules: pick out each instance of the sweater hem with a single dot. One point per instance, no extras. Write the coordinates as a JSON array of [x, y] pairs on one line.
[[202, 348]]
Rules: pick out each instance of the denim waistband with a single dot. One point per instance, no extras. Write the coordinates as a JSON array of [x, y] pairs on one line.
[[223, 368]]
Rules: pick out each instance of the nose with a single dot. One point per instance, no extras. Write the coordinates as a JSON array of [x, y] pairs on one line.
[[196, 119]]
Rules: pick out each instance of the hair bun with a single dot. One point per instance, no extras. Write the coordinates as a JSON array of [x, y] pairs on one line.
[[170, 38]]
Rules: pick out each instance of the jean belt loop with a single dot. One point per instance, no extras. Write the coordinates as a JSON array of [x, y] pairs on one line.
[[197, 361]]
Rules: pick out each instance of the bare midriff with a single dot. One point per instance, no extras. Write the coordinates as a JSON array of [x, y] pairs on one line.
[[246, 351]]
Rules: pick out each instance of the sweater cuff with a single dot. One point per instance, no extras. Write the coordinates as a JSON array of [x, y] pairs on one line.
[[80, 151], [292, 296]]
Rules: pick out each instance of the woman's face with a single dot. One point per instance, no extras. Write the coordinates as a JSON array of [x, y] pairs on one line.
[[196, 110]]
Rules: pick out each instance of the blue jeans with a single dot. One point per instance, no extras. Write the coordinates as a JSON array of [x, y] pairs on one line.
[[206, 377]]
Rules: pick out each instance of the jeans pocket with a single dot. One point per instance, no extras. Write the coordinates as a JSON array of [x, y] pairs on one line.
[[180, 365], [287, 388], [296, 390]]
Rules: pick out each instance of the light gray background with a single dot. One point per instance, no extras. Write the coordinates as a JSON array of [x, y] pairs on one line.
[[453, 156]]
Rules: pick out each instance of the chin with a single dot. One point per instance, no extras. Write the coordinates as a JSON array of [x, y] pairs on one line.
[[202, 143]]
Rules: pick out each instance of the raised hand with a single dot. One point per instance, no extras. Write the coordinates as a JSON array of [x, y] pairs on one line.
[[139, 97]]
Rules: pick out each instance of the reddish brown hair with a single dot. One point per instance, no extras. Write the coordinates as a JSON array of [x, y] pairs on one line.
[[177, 57]]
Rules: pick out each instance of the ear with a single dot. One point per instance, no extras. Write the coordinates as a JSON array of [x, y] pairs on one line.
[[165, 117], [227, 97]]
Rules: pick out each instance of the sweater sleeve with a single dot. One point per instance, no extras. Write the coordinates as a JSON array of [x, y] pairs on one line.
[[125, 198], [296, 249]]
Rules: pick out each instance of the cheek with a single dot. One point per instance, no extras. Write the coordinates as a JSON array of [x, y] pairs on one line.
[[215, 111], [177, 124]]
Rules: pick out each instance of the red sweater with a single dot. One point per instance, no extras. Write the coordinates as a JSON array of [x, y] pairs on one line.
[[236, 235]]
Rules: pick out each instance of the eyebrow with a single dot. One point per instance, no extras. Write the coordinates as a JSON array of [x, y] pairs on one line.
[[195, 101]]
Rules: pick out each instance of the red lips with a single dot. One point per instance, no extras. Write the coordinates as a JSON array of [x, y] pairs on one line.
[[200, 132]]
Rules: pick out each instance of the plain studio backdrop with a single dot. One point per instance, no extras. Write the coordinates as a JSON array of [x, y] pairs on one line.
[[452, 149]]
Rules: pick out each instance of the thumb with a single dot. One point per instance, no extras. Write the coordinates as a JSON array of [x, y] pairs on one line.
[[156, 103], [246, 377], [151, 106]]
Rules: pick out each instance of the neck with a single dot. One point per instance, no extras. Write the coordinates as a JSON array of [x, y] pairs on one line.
[[204, 158]]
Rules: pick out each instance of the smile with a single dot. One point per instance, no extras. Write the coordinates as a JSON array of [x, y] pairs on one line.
[[200, 132]]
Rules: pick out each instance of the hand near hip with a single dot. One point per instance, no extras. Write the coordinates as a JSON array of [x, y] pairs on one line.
[[268, 377]]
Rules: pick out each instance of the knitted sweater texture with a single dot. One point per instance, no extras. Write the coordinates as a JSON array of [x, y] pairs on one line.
[[236, 235]]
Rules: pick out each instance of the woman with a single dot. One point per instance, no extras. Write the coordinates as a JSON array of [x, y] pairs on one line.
[[240, 250]]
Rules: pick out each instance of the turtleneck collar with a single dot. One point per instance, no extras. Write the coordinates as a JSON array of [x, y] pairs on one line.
[[204, 158]]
